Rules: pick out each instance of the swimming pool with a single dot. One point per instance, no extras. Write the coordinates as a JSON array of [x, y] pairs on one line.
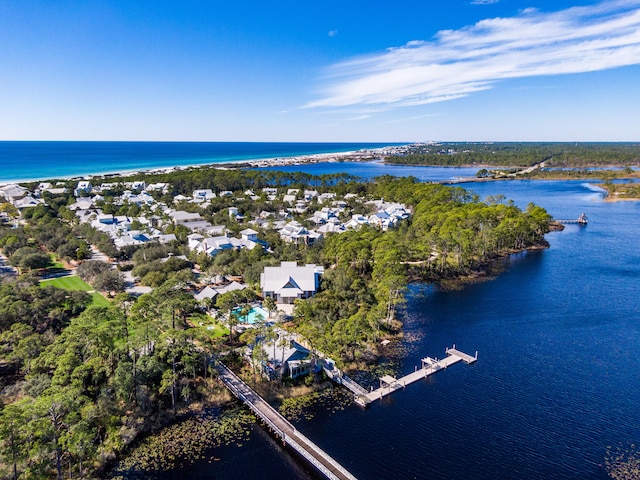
[[256, 313]]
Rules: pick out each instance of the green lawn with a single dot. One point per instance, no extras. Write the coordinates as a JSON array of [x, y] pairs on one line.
[[55, 264], [99, 300], [216, 330], [72, 282], [209, 325]]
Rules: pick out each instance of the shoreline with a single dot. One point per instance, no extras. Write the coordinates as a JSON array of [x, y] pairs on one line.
[[350, 155], [615, 196]]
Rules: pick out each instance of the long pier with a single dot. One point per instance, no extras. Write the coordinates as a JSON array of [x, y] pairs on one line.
[[281, 427], [389, 384]]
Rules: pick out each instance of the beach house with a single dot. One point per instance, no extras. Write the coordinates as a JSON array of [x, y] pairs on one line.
[[290, 282]]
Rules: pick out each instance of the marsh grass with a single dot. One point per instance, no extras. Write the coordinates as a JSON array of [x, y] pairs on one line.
[[185, 442]]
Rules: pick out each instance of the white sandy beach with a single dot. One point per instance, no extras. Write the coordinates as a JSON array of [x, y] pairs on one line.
[[351, 156]]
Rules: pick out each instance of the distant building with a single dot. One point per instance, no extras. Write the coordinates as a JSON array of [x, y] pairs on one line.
[[294, 232], [13, 192], [83, 187]]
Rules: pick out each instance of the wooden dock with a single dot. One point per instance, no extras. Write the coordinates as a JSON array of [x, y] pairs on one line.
[[581, 220], [281, 427], [389, 384]]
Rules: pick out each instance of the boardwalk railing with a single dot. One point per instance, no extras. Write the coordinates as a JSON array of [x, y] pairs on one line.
[[282, 427], [581, 220], [390, 384]]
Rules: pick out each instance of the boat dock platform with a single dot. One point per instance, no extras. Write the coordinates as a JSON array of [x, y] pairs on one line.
[[581, 220], [389, 384], [281, 427]]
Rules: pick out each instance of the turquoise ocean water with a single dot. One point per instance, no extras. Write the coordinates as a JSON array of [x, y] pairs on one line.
[[23, 161]]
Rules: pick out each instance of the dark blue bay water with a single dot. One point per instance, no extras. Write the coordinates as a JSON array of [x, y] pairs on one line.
[[21, 161], [558, 335]]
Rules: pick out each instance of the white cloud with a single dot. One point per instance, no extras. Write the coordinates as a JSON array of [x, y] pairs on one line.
[[359, 117], [457, 63], [332, 33]]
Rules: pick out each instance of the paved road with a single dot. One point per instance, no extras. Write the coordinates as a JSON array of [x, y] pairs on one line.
[[5, 268]]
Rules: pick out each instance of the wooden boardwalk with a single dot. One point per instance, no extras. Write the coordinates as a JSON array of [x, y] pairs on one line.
[[389, 384], [317, 457]]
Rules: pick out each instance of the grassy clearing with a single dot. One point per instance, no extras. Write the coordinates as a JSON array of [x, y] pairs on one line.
[[209, 325], [70, 282], [99, 300], [216, 330]]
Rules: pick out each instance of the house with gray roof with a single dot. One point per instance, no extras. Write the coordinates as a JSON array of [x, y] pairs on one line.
[[180, 217], [13, 192], [290, 282]]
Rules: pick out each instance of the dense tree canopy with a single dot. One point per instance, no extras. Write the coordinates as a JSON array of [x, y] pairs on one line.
[[521, 154]]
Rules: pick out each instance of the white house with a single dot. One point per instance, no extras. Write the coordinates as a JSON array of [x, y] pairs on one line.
[[193, 240], [133, 237], [356, 221], [249, 234], [13, 192], [323, 197], [310, 194], [214, 245], [83, 186], [209, 293], [215, 230], [289, 281], [204, 195], [160, 187], [331, 227], [382, 220], [28, 201], [294, 232], [285, 357], [164, 238], [181, 217]]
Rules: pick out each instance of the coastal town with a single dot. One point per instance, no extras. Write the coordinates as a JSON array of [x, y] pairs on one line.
[[315, 240], [233, 276], [300, 218]]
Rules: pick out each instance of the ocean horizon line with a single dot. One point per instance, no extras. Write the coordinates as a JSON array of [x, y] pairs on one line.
[[31, 161]]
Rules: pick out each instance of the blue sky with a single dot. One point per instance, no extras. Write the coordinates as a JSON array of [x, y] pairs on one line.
[[349, 70]]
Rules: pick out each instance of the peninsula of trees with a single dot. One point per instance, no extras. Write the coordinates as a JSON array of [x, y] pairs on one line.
[[553, 155]]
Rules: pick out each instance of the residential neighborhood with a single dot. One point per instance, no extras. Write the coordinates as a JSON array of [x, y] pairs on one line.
[[198, 229]]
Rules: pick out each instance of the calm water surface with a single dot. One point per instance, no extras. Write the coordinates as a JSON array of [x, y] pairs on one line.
[[558, 335]]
